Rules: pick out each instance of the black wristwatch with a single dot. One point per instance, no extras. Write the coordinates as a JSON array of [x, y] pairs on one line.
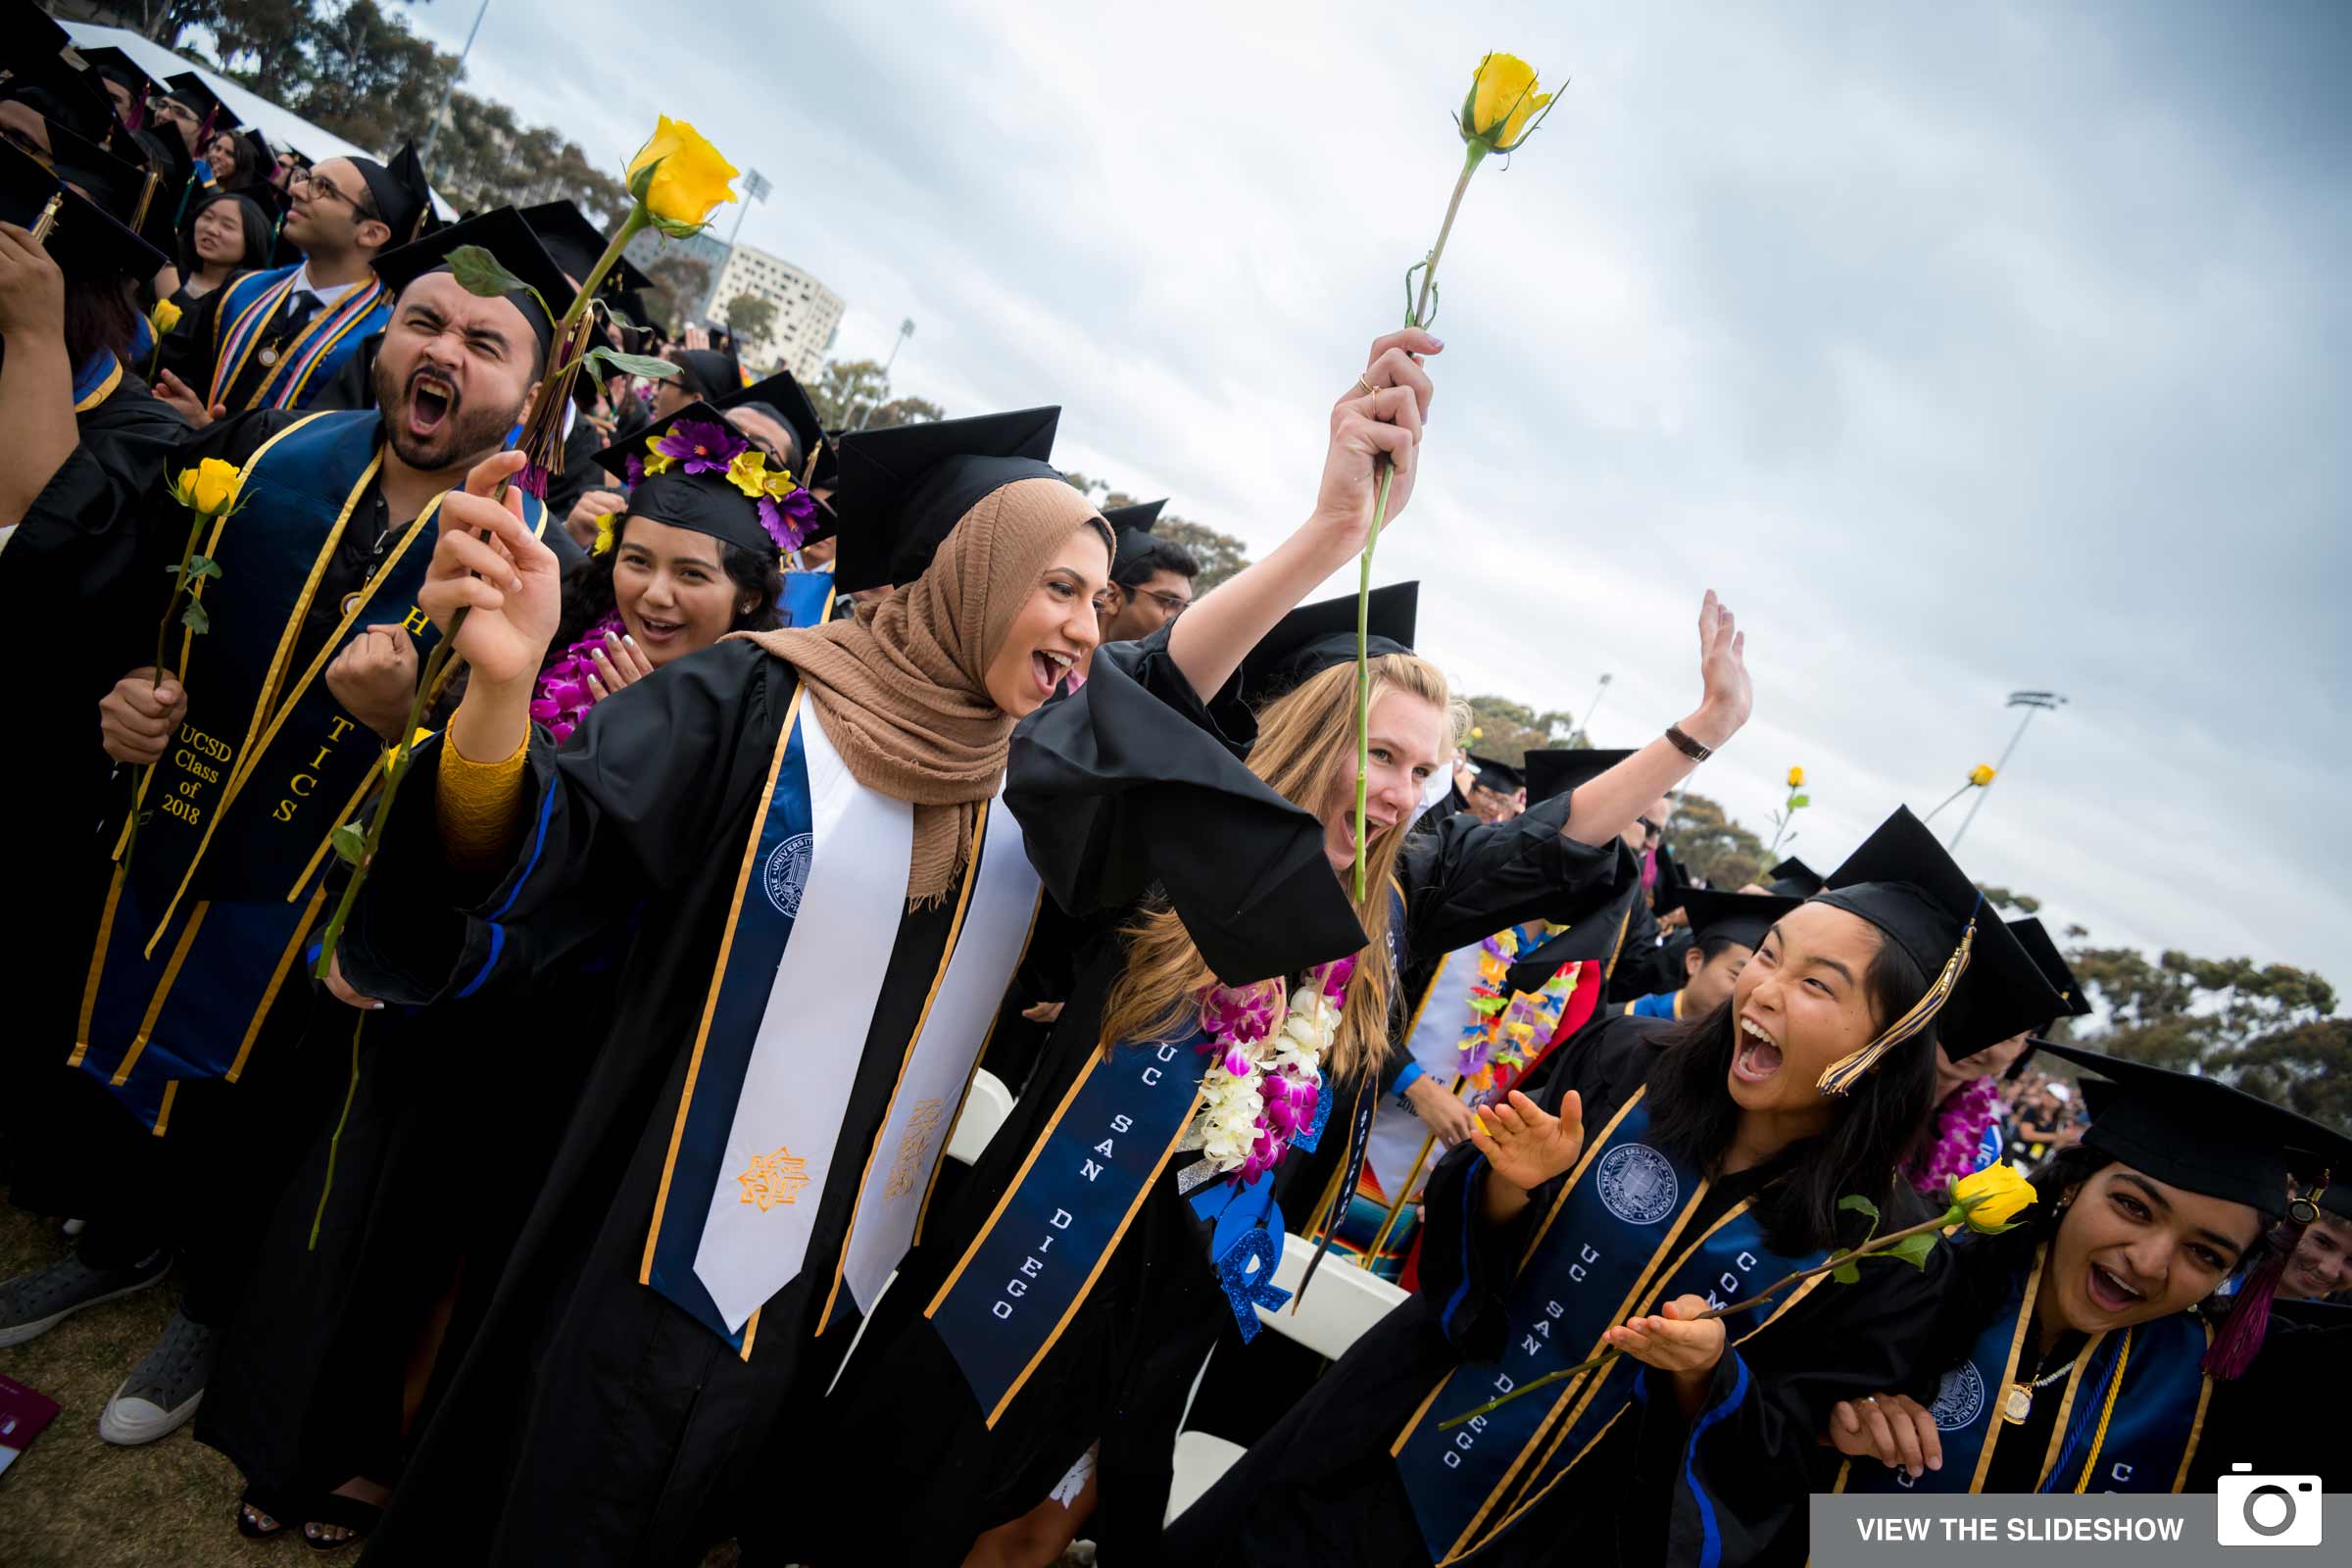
[[1686, 745]]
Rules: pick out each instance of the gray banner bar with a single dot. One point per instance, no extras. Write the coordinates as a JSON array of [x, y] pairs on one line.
[[2249, 1516]]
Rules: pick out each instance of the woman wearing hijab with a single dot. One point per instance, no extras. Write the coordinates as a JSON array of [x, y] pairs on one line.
[[807, 824], [2086, 1351], [1028, 1369], [1668, 1168], [226, 237]]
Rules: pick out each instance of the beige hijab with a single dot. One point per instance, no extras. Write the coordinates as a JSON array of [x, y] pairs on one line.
[[901, 688]]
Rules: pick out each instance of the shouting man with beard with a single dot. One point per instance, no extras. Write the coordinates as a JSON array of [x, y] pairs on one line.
[[239, 763]]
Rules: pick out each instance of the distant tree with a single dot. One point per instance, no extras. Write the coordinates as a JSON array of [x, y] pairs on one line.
[[845, 389], [356, 69], [680, 284], [1712, 846], [2201, 1015], [903, 411], [1220, 555], [2306, 1068], [2023, 902], [484, 158], [1507, 731], [749, 315]]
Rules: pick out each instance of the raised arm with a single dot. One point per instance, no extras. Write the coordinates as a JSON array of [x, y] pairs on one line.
[[1607, 805], [1378, 418]]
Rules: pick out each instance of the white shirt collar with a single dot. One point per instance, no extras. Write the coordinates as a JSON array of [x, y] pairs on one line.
[[324, 296]]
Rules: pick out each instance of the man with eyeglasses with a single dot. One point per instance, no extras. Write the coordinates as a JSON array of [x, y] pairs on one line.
[[276, 339], [1152, 582]]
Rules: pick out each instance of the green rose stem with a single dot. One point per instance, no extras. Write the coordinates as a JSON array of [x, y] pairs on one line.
[[162, 639], [1418, 313], [554, 390], [1950, 1216]]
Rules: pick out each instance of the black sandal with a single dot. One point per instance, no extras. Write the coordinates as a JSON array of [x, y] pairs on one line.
[[258, 1502], [343, 1513]]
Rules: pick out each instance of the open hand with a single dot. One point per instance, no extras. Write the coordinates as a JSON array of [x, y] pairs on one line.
[[1678, 1339], [1379, 416], [617, 663], [1725, 697], [581, 522], [1524, 1145], [509, 580], [183, 398], [1891, 1428]]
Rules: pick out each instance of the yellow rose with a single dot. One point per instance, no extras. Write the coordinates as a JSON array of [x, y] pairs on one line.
[[605, 535], [164, 318], [211, 487], [1981, 775], [1992, 1197], [1797, 778], [1477, 734], [747, 473], [1502, 102], [679, 177]]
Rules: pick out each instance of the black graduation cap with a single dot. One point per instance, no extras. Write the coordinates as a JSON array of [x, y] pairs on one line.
[[1139, 518], [826, 472], [122, 188], [61, 94], [1674, 883], [2036, 940], [83, 239], [707, 502], [1556, 771], [1312, 638], [195, 92], [1741, 917], [707, 373], [2200, 1133], [505, 235], [402, 196], [782, 399], [117, 65], [904, 488], [576, 243], [1499, 776], [1795, 879], [1599, 935], [32, 30], [1983, 987]]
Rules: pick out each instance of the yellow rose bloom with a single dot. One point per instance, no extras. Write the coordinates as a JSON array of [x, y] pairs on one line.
[[1502, 102], [211, 487], [747, 473], [1797, 778], [1981, 775], [164, 318], [679, 177], [1992, 1197], [604, 536]]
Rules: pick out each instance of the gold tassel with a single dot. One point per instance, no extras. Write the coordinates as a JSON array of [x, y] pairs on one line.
[[1847, 1071]]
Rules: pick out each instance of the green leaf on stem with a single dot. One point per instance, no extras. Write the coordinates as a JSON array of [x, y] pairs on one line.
[[633, 364], [1795, 801], [481, 272], [1914, 1249], [194, 618], [1859, 1204], [1847, 1274], [349, 842], [203, 566], [618, 317]]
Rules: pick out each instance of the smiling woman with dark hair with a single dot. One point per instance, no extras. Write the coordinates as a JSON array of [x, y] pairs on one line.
[[225, 236], [1666, 1168]]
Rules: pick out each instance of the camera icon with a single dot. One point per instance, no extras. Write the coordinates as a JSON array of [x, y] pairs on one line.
[[2251, 1511]]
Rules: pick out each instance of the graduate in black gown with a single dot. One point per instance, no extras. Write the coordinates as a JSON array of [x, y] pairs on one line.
[[762, 1106], [1715, 1151], [1018, 1424], [2086, 1350], [187, 994]]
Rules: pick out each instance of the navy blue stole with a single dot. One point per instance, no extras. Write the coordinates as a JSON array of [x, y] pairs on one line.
[[1614, 1246], [2134, 1405], [228, 874]]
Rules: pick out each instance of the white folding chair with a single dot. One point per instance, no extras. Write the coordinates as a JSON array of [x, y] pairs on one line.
[[1343, 1303], [984, 1111]]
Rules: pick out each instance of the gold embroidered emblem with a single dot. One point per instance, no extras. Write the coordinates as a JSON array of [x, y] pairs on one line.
[[774, 1179], [912, 1169]]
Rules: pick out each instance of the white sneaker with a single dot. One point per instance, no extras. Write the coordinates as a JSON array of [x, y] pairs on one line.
[[162, 1393]]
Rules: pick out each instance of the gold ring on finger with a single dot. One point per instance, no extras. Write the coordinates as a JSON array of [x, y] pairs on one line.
[[1367, 385]]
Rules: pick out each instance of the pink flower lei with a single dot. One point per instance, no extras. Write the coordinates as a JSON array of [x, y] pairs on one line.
[[1265, 1081], [564, 698], [1960, 1123]]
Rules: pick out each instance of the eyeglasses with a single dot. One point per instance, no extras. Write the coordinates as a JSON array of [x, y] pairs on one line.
[[171, 109], [311, 188], [1170, 603]]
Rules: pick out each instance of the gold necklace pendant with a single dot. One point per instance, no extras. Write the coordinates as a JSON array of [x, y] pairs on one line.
[[267, 357], [2019, 1406]]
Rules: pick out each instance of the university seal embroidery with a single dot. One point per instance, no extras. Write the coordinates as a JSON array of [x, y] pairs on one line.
[[1637, 1183], [1959, 1398], [787, 872]]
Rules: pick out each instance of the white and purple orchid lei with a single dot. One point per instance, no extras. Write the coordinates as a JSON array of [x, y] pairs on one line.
[[1261, 1090], [564, 698]]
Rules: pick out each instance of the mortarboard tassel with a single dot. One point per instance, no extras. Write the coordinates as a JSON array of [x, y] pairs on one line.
[[1847, 1071], [2234, 1348]]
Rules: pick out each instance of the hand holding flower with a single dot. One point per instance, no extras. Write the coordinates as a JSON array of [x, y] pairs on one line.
[[1379, 416], [1679, 1340]]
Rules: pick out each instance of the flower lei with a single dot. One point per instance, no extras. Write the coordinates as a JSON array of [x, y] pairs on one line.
[[1505, 1030], [564, 698], [698, 446], [1960, 1123], [1262, 1090]]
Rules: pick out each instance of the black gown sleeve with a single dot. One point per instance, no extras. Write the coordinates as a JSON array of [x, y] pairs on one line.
[[621, 811], [1132, 781], [187, 351], [1464, 880]]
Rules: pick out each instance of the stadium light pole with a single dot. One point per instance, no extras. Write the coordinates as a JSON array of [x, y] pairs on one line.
[[1590, 707], [2033, 703], [432, 132], [755, 189]]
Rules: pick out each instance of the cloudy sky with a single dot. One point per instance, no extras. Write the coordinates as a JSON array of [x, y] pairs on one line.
[[1962, 348]]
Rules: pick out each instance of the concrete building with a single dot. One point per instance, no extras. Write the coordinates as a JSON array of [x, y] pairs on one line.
[[808, 314]]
